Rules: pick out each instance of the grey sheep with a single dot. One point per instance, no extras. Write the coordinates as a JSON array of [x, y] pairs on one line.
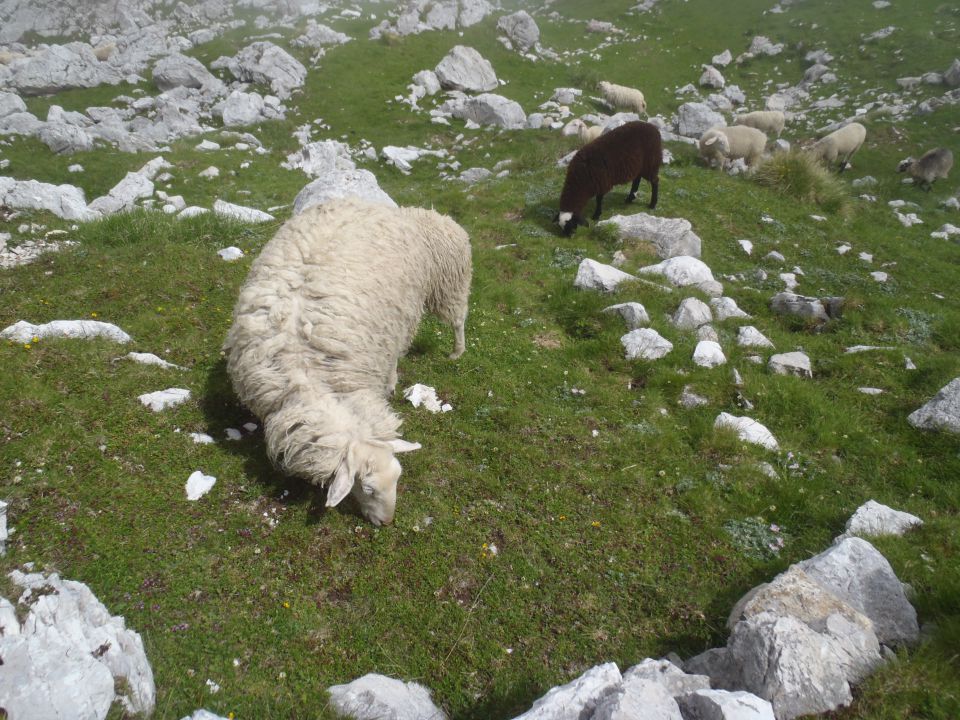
[[934, 165]]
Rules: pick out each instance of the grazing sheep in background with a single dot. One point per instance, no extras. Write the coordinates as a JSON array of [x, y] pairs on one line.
[[589, 133], [732, 142], [934, 165], [330, 304], [840, 144], [621, 97], [767, 121], [630, 152]]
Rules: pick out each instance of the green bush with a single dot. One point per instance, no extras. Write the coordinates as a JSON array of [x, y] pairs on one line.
[[797, 174]]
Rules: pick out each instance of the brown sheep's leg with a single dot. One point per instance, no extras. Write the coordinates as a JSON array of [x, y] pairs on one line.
[[596, 213], [633, 190], [654, 191]]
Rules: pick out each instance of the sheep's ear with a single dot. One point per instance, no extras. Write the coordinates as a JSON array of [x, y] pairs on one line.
[[400, 445], [711, 141], [341, 485]]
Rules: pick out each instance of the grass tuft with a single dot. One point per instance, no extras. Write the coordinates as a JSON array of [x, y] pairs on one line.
[[797, 174]]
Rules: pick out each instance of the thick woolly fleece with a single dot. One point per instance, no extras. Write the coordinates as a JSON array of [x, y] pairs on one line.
[[329, 306]]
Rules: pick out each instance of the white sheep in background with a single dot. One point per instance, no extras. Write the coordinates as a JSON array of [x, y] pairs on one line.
[[770, 122], [588, 133], [933, 165], [329, 306], [621, 97], [840, 144], [732, 142]]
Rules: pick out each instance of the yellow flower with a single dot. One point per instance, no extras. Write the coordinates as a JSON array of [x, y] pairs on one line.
[[595, 523], [286, 604], [26, 346], [35, 339], [562, 518], [93, 314]]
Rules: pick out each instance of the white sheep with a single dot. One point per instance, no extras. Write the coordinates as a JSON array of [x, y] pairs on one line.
[[329, 306], [588, 133], [732, 142], [622, 97], [933, 165], [840, 144], [767, 121]]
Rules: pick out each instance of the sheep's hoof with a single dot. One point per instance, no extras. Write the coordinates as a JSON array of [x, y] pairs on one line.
[[455, 354], [631, 198]]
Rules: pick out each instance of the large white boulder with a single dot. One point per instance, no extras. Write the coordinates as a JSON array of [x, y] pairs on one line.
[[695, 118], [749, 336], [268, 64], [791, 363], [682, 271], [633, 313], [242, 108], [378, 697], [520, 28], [181, 70], [491, 109], [670, 236], [942, 412], [320, 158], [592, 275], [874, 519], [69, 658], [691, 314], [724, 705], [465, 69], [708, 354], [747, 429], [645, 344], [637, 698], [124, 194], [577, 699], [64, 201], [340, 184]]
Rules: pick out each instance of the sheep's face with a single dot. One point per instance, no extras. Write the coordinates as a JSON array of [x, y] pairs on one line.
[[369, 471], [569, 222], [905, 165]]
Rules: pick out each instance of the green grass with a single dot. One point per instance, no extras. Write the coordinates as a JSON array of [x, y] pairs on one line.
[[611, 511]]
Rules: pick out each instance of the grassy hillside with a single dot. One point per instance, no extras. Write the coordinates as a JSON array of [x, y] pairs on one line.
[[539, 531]]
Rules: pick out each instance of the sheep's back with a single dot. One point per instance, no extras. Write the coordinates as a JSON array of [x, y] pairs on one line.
[[336, 297]]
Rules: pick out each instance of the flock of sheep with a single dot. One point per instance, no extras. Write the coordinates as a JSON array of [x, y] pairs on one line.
[[320, 323]]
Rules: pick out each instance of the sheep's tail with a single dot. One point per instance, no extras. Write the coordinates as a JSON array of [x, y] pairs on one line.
[[308, 436]]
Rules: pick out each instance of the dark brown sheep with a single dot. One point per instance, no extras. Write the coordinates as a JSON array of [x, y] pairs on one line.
[[631, 152]]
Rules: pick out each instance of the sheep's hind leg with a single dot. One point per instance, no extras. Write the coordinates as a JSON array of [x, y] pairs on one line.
[[596, 213], [633, 190], [654, 192]]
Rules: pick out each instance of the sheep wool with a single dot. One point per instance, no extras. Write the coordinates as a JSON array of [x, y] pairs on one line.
[[770, 122], [622, 97], [934, 165], [732, 142], [839, 145], [630, 152], [331, 303], [588, 133]]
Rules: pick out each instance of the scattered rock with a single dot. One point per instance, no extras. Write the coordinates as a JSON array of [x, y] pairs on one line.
[[670, 236], [24, 332], [239, 212], [638, 697], [724, 705], [199, 485], [873, 519], [579, 698], [338, 184], [691, 314], [521, 29], [466, 70], [592, 275], [708, 354], [378, 697], [427, 397], [749, 336], [791, 363], [725, 308], [683, 271], [942, 412], [748, 430], [268, 64], [788, 303], [645, 344], [633, 314], [163, 399], [695, 118]]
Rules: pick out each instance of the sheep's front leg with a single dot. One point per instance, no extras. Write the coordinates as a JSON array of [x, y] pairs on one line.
[[392, 381], [654, 191], [633, 189], [596, 213], [459, 338]]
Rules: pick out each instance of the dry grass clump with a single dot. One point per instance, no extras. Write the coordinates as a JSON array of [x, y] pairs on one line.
[[797, 174]]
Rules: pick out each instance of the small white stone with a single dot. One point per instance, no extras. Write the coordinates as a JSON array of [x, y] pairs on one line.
[[163, 399], [199, 485], [748, 430], [708, 354], [230, 253]]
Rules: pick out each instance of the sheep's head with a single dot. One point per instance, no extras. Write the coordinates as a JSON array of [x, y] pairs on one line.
[[905, 164], [369, 471], [568, 222]]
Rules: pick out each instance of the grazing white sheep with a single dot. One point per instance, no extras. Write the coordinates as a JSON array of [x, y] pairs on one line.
[[330, 304], [732, 142], [839, 145], [622, 97], [933, 165], [770, 122], [588, 133]]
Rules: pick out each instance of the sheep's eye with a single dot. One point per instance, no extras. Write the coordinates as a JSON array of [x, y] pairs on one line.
[[367, 489]]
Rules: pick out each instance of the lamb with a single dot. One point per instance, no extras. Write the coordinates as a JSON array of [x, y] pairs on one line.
[[329, 306], [622, 97], [588, 133], [732, 142], [632, 151], [934, 165], [840, 144], [767, 121]]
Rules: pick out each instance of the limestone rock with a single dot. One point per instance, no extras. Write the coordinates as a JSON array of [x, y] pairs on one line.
[[239, 212], [708, 354], [339, 184], [748, 430], [858, 574], [788, 303], [638, 697], [723, 59], [873, 518], [695, 118], [69, 654], [725, 308], [645, 344], [241, 108], [712, 78], [492, 109], [691, 314], [181, 70], [521, 29], [749, 336], [320, 158], [24, 332], [268, 64], [317, 35], [378, 697], [670, 236], [64, 201], [124, 194], [791, 363], [592, 275], [952, 75], [633, 313], [577, 699], [64, 139], [942, 412], [465, 69], [665, 673], [61, 67], [724, 705], [11, 103], [681, 271], [163, 399]]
